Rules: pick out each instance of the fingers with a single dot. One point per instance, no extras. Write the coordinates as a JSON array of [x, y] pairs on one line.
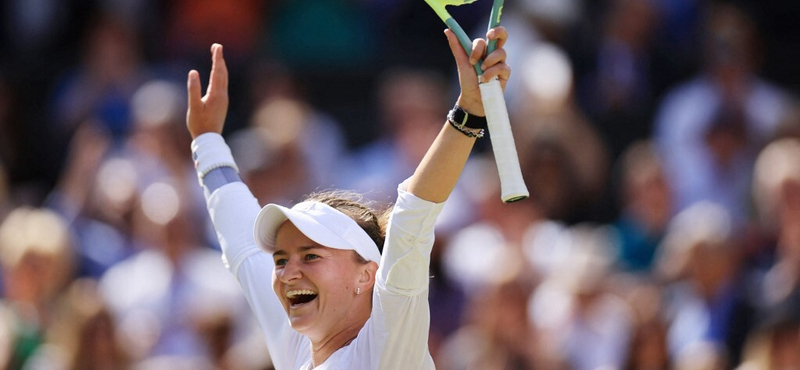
[[462, 60], [496, 57], [495, 63], [193, 88], [218, 81], [478, 49], [498, 33], [501, 71]]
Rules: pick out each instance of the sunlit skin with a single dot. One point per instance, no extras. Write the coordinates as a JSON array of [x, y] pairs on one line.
[[337, 313]]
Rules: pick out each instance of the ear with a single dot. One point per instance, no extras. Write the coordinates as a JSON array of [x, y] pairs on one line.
[[366, 276]]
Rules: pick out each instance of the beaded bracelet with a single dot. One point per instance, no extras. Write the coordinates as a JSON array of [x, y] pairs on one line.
[[467, 131], [466, 123]]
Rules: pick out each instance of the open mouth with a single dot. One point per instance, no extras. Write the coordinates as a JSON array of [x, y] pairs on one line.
[[300, 297]]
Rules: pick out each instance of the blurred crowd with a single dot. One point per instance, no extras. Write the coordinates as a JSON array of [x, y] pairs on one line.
[[660, 140]]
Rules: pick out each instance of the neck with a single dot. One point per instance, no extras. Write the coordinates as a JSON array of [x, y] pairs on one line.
[[325, 347]]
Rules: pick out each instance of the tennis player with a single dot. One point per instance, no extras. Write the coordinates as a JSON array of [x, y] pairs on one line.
[[335, 301]]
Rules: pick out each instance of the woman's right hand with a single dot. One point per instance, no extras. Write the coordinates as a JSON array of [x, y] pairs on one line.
[[207, 114]]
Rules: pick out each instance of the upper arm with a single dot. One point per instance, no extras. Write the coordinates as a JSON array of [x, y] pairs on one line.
[[405, 262]]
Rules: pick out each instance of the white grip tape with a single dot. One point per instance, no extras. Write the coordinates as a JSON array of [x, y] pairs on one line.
[[512, 186], [210, 151]]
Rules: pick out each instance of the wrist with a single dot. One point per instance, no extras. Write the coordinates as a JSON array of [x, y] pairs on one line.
[[210, 151], [473, 107], [197, 133]]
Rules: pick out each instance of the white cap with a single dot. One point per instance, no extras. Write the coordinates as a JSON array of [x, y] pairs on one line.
[[319, 222]]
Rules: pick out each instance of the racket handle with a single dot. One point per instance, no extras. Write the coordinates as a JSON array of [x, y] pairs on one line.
[[512, 186]]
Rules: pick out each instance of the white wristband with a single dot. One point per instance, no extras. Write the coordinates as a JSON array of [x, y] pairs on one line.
[[210, 151]]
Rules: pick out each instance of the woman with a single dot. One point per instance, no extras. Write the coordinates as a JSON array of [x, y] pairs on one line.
[[348, 306]]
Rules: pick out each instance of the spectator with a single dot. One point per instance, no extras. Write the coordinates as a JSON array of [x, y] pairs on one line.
[[648, 350], [710, 128], [171, 294], [646, 207], [320, 135], [287, 147], [82, 335], [565, 166], [94, 195], [708, 301], [776, 188], [102, 85], [619, 90], [497, 334], [36, 257], [579, 322], [501, 234], [154, 145]]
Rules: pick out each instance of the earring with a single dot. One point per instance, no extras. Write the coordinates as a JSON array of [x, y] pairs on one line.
[[358, 291]]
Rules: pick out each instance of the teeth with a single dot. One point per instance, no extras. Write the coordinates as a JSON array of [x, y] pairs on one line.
[[295, 293]]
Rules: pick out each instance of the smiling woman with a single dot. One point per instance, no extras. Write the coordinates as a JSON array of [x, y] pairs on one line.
[[345, 294]]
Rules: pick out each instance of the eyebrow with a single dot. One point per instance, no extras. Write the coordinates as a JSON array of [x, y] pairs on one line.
[[301, 249]]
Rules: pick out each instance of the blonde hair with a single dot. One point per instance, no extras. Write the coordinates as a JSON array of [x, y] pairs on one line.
[[29, 230]]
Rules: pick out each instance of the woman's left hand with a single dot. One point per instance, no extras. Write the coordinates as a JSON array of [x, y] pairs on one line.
[[494, 65]]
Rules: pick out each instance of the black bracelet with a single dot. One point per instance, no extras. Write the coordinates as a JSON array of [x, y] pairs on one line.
[[466, 123], [461, 118]]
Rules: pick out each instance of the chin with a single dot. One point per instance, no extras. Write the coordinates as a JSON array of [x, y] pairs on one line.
[[300, 323], [304, 326], [303, 323]]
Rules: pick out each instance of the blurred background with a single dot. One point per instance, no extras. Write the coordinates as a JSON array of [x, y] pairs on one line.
[[660, 140]]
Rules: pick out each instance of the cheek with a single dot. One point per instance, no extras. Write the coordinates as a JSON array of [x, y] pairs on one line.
[[338, 282]]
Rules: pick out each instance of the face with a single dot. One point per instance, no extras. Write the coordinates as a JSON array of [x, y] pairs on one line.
[[315, 284]]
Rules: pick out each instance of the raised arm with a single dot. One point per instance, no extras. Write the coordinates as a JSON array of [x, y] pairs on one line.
[[437, 174], [233, 210]]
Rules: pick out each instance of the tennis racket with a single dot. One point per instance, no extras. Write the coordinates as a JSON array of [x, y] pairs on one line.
[[512, 186]]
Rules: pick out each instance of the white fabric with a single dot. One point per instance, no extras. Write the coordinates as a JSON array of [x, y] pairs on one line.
[[320, 223], [396, 334], [215, 154]]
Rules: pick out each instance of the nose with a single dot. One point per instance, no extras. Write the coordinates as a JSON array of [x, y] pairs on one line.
[[290, 272]]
